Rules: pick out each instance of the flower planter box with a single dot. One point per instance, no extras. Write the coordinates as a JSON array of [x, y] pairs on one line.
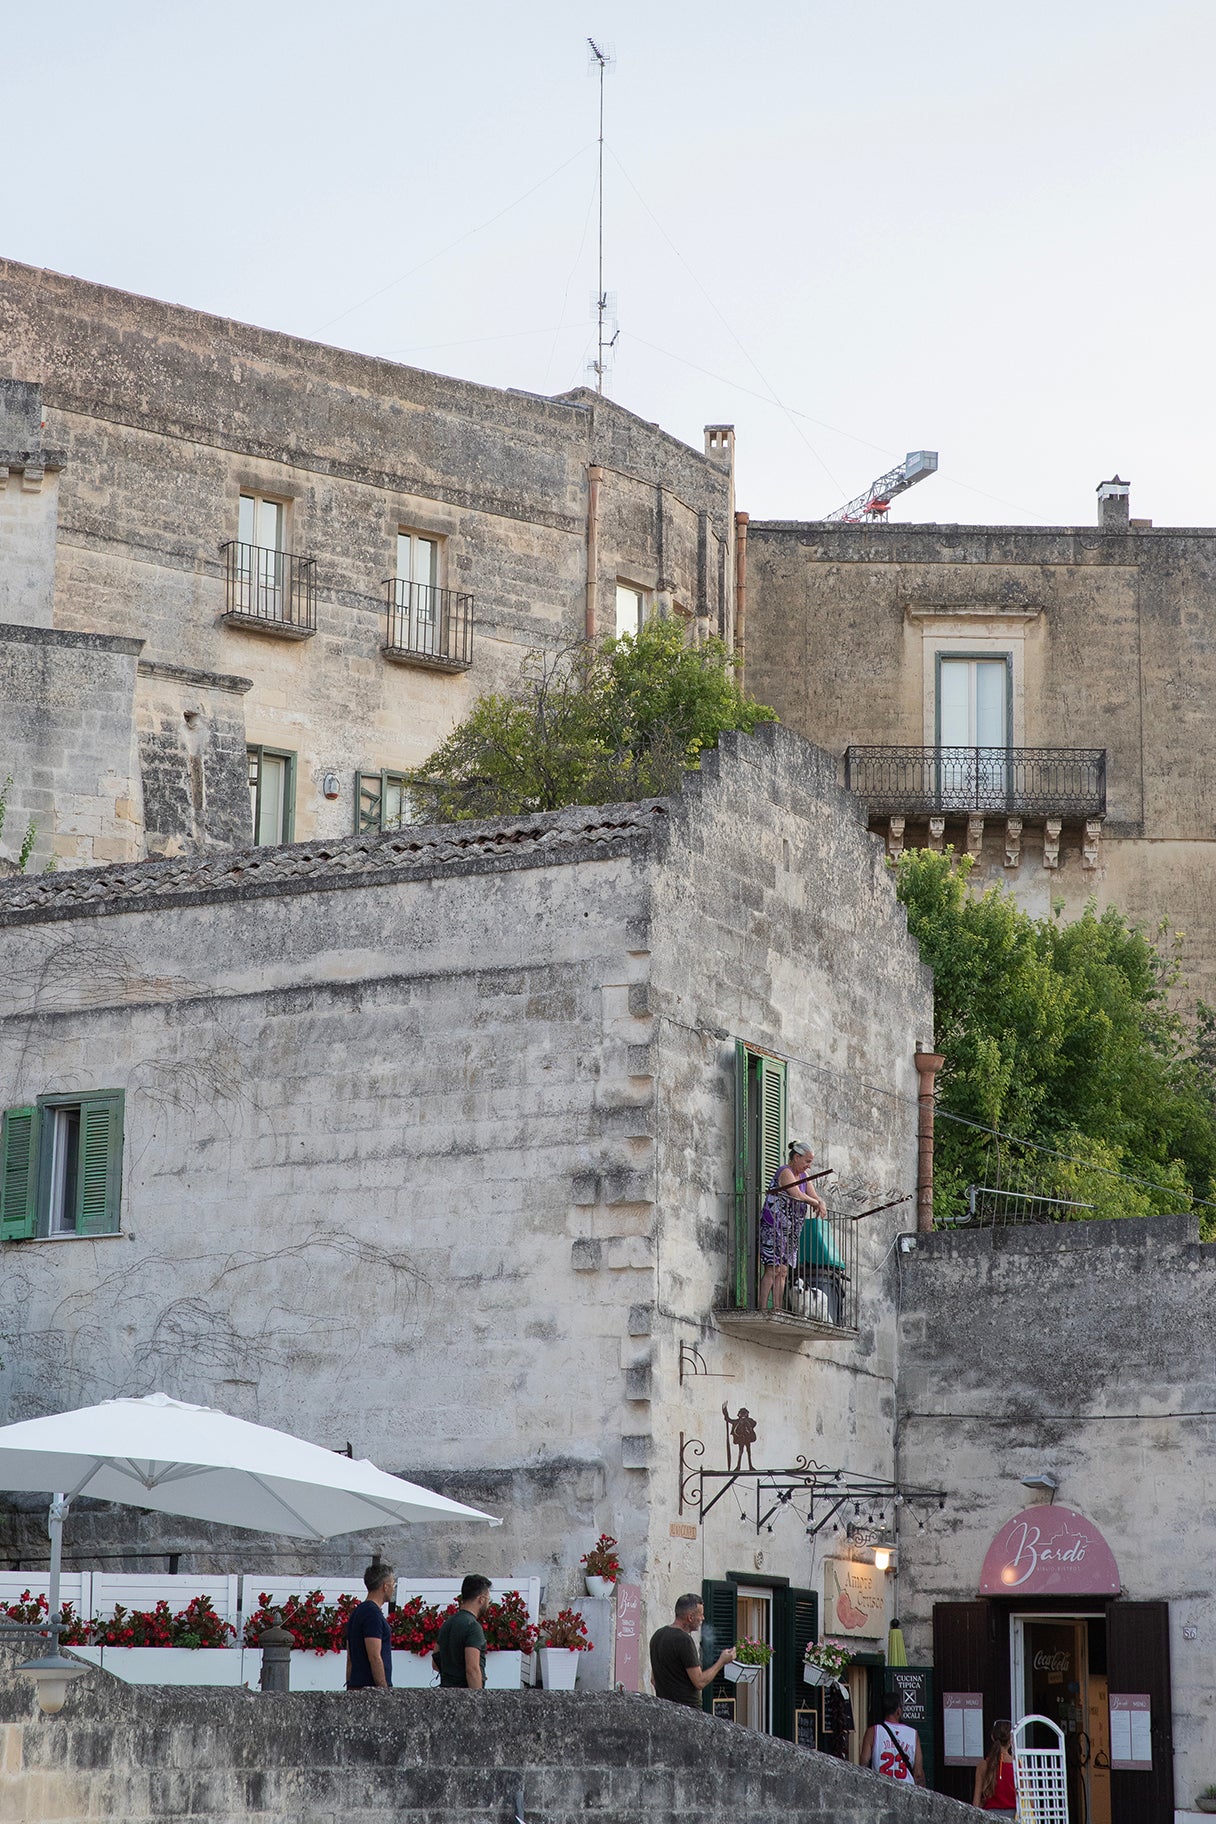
[[602, 1588], [815, 1675], [559, 1667], [741, 1675], [504, 1669], [327, 1671], [171, 1665]]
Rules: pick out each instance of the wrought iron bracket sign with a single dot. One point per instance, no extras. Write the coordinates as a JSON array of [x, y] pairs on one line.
[[814, 1491]]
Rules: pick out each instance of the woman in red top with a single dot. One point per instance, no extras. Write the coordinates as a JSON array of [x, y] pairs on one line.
[[994, 1782]]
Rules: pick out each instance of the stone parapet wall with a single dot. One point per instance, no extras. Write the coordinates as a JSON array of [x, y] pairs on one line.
[[438, 1757]]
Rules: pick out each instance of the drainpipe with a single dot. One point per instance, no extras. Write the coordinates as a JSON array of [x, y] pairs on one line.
[[928, 1063], [595, 476], [741, 521]]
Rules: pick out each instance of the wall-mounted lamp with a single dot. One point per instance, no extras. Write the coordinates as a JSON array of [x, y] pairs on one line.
[[1042, 1480], [882, 1558]]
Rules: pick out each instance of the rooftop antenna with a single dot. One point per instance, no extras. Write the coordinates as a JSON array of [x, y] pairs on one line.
[[603, 59]]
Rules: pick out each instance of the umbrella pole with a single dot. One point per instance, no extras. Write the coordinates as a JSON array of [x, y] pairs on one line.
[[54, 1526]]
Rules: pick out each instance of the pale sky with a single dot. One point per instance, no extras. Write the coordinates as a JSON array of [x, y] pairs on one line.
[[851, 229]]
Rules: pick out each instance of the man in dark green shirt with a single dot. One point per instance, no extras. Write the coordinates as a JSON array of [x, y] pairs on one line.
[[462, 1640]]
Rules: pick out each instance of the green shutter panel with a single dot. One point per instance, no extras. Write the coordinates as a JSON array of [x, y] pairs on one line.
[[369, 800], [18, 1174], [99, 1191], [719, 1630], [741, 1237], [772, 1119], [795, 1625]]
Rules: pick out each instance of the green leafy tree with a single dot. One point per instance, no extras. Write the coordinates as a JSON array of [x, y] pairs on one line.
[[598, 723], [1061, 1034]]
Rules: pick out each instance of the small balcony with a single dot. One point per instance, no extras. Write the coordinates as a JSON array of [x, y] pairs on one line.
[[1005, 781], [427, 626], [820, 1298], [1050, 788], [271, 591]]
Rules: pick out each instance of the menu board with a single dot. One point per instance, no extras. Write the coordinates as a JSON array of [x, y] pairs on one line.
[[806, 1728], [1131, 1731], [963, 1731]]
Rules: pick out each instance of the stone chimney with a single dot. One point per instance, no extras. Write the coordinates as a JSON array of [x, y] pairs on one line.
[[1114, 504]]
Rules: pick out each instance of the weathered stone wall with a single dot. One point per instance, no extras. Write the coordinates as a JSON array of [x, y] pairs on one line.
[[67, 738], [1087, 1349], [192, 759], [429, 1148], [162, 1756], [167, 415], [1113, 641]]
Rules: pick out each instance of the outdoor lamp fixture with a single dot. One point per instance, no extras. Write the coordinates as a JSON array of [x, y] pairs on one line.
[[52, 1674], [882, 1558], [1043, 1480]]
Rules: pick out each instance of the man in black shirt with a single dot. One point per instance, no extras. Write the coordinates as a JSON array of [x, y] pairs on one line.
[[675, 1665], [462, 1642], [369, 1644]]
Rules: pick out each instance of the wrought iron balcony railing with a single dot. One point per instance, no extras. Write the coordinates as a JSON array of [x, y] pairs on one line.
[[432, 626], [1014, 781], [272, 589]]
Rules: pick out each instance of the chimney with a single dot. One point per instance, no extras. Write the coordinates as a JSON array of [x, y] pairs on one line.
[[1114, 504]]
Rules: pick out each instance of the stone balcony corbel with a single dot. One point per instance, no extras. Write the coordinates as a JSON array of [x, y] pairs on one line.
[[1051, 842], [895, 837], [1090, 842], [975, 836], [1013, 842]]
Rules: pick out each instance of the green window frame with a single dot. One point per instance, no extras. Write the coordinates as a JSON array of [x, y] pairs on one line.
[[761, 1103], [61, 1167], [374, 795], [255, 756], [795, 1623]]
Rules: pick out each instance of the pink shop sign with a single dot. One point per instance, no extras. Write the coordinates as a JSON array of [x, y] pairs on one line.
[[1049, 1551]]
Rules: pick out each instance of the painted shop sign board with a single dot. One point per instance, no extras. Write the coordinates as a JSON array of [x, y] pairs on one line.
[[963, 1728], [1131, 1742], [1049, 1551], [854, 1598], [628, 1671]]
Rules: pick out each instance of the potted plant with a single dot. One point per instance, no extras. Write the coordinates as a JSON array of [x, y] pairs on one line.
[[562, 1638], [414, 1627], [751, 1657], [824, 1663], [155, 1646], [601, 1566], [510, 1636], [1206, 1800]]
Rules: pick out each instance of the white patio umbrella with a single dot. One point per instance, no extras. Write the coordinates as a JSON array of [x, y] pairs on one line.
[[180, 1459]]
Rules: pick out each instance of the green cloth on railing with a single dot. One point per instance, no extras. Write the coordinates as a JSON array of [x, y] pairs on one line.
[[817, 1246]]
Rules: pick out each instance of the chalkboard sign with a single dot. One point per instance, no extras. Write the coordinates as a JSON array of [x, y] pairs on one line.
[[725, 1708], [806, 1728]]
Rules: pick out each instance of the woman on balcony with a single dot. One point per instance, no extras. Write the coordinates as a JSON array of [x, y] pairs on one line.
[[789, 1202]]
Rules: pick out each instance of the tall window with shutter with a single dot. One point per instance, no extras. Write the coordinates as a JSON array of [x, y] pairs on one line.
[[61, 1167], [760, 1129]]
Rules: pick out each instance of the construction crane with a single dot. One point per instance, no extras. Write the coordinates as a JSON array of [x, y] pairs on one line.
[[876, 501]]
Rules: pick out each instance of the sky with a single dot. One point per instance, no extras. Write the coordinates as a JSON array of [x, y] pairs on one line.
[[850, 230]]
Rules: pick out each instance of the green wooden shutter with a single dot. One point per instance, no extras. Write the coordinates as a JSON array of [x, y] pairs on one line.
[[369, 801], [772, 1118], [741, 1238], [795, 1625], [99, 1189], [18, 1174], [719, 1630]]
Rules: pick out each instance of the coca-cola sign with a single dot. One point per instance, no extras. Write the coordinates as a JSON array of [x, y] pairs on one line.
[[1049, 1551]]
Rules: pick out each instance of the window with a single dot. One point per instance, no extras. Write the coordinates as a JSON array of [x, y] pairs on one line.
[[272, 794], [760, 1102], [259, 558], [416, 595], [383, 801], [630, 608], [261, 522], [61, 1167], [974, 731]]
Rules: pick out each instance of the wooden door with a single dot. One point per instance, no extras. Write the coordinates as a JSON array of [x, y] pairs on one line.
[[1138, 1661], [970, 1653]]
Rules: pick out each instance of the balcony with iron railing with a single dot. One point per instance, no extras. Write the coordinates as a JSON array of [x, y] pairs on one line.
[[428, 626], [271, 591], [820, 1298], [1028, 782]]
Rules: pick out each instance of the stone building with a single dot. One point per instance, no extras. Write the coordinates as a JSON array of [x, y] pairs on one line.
[[448, 1144], [1038, 698], [287, 570]]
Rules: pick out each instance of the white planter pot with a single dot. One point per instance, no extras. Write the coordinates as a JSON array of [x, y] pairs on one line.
[[174, 1665], [504, 1669], [741, 1675], [815, 1675], [309, 1671], [559, 1667], [602, 1588]]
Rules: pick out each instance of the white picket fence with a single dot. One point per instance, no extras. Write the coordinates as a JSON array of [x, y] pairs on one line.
[[95, 1594]]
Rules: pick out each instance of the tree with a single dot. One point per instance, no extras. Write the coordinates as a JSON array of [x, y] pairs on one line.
[[598, 723], [1061, 1034]]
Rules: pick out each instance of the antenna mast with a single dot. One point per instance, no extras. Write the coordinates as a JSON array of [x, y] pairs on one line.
[[601, 296]]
